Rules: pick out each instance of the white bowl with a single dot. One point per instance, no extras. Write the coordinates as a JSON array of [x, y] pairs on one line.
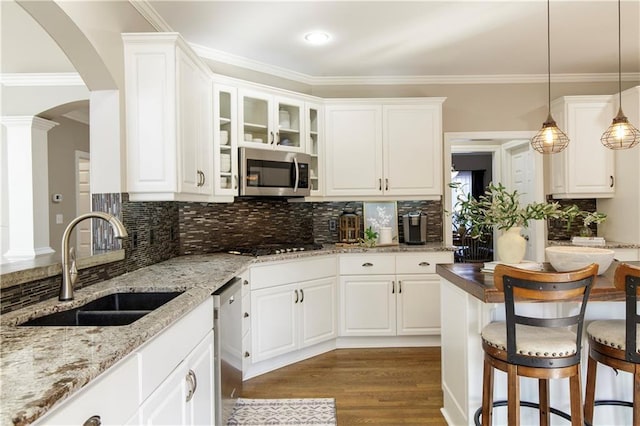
[[570, 258]]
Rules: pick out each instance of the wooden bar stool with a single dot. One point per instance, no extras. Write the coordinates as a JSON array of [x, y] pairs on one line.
[[615, 343], [532, 346]]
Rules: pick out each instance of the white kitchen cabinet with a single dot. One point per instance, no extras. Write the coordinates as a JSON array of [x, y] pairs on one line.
[[186, 396], [168, 120], [293, 306], [314, 126], [384, 147], [225, 141], [585, 169], [293, 316], [390, 294], [112, 396], [271, 121]]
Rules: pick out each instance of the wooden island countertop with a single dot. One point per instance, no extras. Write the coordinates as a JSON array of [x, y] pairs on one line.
[[469, 278]]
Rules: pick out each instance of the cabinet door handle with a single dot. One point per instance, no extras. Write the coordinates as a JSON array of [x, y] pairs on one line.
[[301, 295], [232, 299], [245, 282], [611, 181], [424, 264], [296, 296], [92, 421], [367, 264], [386, 184], [393, 287], [399, 287], [193, 384], [380, 184], [277, 139], [246, 314], [204, 179], [235, 180], [247, 354], [273, 138]]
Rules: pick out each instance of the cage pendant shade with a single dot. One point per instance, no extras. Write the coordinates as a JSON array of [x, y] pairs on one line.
[[550, 139], [621, 134]]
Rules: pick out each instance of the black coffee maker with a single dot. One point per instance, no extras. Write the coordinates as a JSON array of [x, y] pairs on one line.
[[415, 228]]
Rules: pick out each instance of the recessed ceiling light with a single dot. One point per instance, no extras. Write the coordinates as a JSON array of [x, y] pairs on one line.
[[317, 37]]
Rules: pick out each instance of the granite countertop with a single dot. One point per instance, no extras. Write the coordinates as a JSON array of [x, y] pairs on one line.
[[40, 366], [469, 278]]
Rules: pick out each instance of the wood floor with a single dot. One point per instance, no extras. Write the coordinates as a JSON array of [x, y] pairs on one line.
[[371, 386]]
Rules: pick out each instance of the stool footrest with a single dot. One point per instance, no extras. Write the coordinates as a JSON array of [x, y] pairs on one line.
[[478, 413], [610, 402]]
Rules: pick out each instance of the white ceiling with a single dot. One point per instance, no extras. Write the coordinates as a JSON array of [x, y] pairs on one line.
[[412, 38]]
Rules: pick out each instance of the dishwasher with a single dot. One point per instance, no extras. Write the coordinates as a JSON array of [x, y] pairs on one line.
[[227, 332]]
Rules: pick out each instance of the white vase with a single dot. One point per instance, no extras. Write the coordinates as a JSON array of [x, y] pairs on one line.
[[386, 236], [511, 246]]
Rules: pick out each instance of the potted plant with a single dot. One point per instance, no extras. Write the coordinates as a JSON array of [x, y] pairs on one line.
[[501, 209]]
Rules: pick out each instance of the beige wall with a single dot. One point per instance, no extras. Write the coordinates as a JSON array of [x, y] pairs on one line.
[[64, 140]]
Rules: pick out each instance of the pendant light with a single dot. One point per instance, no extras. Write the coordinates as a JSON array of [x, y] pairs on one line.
[[621, 134], [550, 139]]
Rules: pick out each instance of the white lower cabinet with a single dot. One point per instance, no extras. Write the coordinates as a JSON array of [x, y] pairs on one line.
[[293, 316], [186, 396], [390, 294]]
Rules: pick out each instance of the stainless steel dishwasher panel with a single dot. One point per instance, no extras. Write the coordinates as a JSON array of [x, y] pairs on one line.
[[227, 331]]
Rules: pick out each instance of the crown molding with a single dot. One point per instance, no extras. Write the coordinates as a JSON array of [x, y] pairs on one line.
[[149, 13], [41, 79]]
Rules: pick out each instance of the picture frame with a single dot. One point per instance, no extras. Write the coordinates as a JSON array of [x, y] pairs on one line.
[[383, 214]]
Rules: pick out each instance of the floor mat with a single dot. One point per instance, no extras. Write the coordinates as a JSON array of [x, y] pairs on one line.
[[272, 412]]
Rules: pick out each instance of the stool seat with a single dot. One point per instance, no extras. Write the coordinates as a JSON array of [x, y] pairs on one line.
[[532, 341], [611, 333]]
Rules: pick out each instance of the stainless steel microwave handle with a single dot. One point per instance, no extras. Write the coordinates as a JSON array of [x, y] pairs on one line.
[[295, 185]]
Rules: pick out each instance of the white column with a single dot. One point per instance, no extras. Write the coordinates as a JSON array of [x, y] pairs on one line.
[[27, 186]]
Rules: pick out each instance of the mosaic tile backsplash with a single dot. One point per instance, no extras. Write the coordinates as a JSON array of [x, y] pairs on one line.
[[557, 229]]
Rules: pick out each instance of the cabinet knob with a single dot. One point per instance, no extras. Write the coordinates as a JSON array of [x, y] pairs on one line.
[[424, 264], [92, 421], [247, 354], [246, 314], [367, 264], [245, 282]]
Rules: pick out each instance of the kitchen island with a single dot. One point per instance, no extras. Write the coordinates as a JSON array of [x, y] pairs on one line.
[[471, 302]]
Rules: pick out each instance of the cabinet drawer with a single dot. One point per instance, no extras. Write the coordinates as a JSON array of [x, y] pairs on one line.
[[421, 263], [367, 264], [292, 271], [164, 352]]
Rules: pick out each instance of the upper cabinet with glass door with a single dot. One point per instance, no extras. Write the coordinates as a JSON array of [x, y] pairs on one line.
[[225, 141], [270, 122], [314, 125]]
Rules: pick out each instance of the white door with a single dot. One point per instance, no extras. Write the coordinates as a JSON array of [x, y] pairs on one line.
[[367, 305], [83, 204], [274, 327], [418, 304], [521, 165], [318, 311]]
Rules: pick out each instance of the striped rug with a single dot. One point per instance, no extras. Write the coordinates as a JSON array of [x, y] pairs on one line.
[[273, 412]]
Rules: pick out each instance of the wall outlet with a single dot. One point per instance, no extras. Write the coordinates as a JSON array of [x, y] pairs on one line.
[[333, 225]]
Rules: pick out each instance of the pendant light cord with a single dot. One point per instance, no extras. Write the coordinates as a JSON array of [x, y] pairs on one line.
[[619, 58], [549, 54]]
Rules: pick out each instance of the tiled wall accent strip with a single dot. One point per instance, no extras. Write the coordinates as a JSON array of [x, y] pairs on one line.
[[102, 233]]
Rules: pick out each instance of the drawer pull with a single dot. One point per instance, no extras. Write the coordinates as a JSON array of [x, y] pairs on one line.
[[367, 264], [246, 314], [424, 264], [92, 421]]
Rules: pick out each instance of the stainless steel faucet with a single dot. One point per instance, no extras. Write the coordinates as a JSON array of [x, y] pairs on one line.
[[69, 270]]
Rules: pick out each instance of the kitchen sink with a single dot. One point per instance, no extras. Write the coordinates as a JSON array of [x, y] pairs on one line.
[[111, 310]]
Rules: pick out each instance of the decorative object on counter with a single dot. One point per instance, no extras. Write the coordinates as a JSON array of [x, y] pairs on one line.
[[620, 134], [501, 209], [349, 226], [382, 218], [570, 258], [550, 139], [370, 238]]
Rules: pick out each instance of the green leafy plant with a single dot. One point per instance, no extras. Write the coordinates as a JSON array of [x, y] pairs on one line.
[[501, 209], [370, 237]]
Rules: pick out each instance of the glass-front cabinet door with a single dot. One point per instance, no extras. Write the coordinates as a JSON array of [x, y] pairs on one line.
[[225, 140], [270, 122], [314, 117]]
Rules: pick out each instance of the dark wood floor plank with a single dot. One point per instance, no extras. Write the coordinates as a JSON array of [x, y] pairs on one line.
[[371, 386]]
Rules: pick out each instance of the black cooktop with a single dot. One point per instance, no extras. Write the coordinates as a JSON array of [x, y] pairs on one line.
[[268, 249]]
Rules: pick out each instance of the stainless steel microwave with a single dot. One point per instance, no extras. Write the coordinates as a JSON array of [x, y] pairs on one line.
[[274, 173]]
